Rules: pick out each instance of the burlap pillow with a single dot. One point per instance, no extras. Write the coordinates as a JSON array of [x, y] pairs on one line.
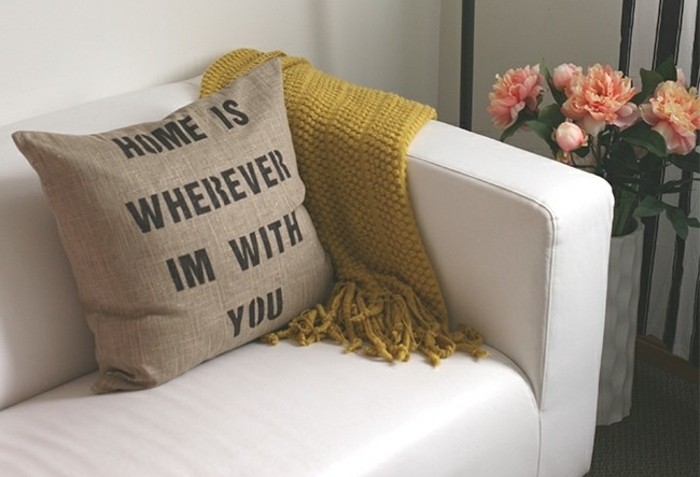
[[187, 237]]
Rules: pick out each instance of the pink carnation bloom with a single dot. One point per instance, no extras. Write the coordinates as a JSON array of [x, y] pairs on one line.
[[518, 89], [600, 97], [570, 137], [674, 112], [563, 74]]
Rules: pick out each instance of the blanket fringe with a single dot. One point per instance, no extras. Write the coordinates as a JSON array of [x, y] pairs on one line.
[[388, 325]]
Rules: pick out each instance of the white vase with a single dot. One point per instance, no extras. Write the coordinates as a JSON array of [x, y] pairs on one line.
[[617, 366]]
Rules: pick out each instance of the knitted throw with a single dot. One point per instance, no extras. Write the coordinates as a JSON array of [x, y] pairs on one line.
[[351, 144]]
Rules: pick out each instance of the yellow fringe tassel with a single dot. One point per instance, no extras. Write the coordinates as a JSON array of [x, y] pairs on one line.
[[389, 326]]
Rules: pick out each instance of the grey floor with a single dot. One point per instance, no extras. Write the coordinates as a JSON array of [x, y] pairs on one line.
[[660, 436]]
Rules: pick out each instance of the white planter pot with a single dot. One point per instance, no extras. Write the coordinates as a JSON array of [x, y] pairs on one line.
[[617, 367]]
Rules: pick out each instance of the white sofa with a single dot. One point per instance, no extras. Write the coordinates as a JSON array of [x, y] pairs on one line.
[[520, 244]]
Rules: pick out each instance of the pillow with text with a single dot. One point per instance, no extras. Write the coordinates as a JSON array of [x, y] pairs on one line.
[[187, 237]]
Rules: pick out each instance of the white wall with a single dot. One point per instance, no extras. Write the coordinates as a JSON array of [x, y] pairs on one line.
[[91, 49], [450, 61], [511, 34]]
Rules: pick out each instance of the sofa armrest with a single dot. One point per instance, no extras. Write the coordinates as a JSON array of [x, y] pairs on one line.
[[520, 245]]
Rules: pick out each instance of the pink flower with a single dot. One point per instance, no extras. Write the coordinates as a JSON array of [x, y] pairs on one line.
[[627, 115], [518, 89], [674, 112], [680, 77], [570, 137], [600, 97], [563, 74]]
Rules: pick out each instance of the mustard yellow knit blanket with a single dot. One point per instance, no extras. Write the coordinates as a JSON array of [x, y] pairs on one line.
[[351, 144]]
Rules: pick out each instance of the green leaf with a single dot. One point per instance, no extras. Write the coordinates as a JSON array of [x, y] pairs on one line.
[[679, 221], [649, 207], [582, 151], [558, 96], [512, 129], [544, 131], [551, 115], [650, 80], [641, 135], [689, 162], [675, 186], [523, 116], [540, 128], [667, 69]]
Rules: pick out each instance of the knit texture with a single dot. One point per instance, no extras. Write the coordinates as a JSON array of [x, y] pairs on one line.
[[351, 144]]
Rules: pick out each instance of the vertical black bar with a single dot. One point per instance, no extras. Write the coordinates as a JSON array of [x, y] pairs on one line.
[[626, 35], [467, 65], [674, 296], [649, 244], [695, 336], [695, 68], [669, 31], [667, 36]]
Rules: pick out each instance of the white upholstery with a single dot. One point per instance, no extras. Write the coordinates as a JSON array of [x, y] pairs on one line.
[[297, 412], [528, 242], [520, 246]]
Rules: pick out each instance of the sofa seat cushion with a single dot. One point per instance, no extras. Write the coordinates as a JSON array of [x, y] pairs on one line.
[[285, 410]]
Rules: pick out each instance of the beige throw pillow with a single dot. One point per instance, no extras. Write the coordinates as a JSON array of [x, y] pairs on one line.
[[187, 237]]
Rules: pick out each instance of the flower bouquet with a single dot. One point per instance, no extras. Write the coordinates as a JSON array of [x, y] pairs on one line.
[[601, 123]]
